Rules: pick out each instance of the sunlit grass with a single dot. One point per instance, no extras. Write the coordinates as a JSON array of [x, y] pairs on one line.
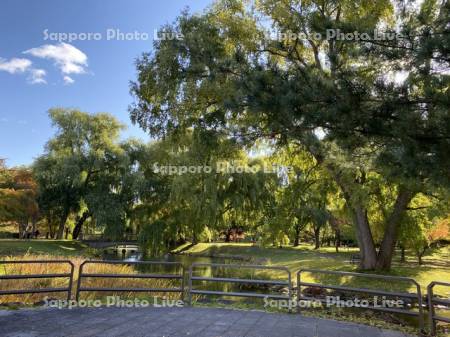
[[12, 247], [435, 267], [97, 268]]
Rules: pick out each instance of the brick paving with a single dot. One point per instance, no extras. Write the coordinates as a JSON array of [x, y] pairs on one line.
[[174, 322]]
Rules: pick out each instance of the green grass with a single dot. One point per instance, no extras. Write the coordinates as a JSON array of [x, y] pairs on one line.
[[16, 247], [435, 268]]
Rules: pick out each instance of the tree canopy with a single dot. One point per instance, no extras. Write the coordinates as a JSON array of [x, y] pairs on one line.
[[337, 99]]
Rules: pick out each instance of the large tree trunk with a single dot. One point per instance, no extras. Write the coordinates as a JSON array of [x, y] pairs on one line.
[[403, 255], [62, 226], [369, 258], [51, 228], [33, 226], [316, 237], [337, 239], [384, 259], [334, 223], [364, 236], [79, 224], [22, 228], [365, 239], [297, 236]]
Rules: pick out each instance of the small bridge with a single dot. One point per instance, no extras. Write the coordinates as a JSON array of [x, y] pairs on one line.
[[98, 241]]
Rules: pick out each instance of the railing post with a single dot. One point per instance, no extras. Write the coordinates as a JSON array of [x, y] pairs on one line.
[[419, 303], [416, 296], [182, 283], [431, 320], [80, 273], [69, 291], [299, 292], [190, 285], [290, 291], [179, 289]]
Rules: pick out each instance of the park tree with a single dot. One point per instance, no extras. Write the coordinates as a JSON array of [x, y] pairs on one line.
[[18, 192], [425, 226], [343, 101], [200, 192], [77, 166], [305, 195]]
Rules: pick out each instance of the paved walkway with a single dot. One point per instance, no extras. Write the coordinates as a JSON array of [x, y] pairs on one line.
[[174, 322]]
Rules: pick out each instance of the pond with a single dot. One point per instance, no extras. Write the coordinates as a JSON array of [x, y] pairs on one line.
[[185, 260], [207, 271]]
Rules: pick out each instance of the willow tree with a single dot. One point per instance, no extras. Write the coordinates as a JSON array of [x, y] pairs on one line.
[[203, 192], [82, 166], [344, 101]]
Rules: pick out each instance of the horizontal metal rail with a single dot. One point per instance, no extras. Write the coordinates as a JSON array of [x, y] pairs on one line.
[[142, 290], [82, 275], [239, 294], [237, 280], [21, 277], [68, 275], [365, 290], [162, 276], [193, 291], [417, 296], [432, 300]]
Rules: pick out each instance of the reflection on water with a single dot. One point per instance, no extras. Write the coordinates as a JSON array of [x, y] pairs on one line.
[[131, 255], [204, 271]]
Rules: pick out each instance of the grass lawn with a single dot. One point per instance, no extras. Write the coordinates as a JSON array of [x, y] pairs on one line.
[[16, 247], [435, 268]]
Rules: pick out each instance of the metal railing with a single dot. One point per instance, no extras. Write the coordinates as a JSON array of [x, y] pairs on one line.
[[432, 300], [179, 276], [417, 296], [68, 275], [192, 278]]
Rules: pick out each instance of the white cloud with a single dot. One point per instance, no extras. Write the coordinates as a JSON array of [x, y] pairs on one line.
[[68, 59], [15, 65], [68, 80], [37, 76]]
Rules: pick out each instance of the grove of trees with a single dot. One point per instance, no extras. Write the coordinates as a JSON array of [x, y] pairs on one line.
[[359, 132], [338, 100]]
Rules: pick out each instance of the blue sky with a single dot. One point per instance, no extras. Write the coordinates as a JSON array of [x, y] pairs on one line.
[[37, 74]]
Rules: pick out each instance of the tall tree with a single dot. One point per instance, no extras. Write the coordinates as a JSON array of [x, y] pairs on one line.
[[203, 192], [83, 149], [332, 96], [18, 202]]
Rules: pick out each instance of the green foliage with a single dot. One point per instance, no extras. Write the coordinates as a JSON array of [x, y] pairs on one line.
[[18, 197], [191, 204], [424, 226], [85, 166], [364, 148], [226, 76]]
